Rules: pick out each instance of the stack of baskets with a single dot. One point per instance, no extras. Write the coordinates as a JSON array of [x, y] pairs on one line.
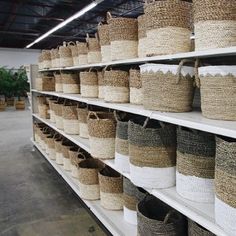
[[94, 50], [214, 24], [168, 27], [46, 59], [58, 82], [123, 34], [70, 82], [89, 84], [104, 39], [45, 83], [82, 53], [142, 36], [136, 90], [65, 55], [195, 165]]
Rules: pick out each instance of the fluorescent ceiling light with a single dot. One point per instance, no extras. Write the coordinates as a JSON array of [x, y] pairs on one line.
[[65, 22]]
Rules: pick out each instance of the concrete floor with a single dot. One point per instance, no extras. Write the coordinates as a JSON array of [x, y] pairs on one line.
[[34, 200]]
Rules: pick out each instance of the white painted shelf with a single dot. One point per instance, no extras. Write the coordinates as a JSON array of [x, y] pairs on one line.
[[220, 52], [202, 213], [193, 119], [112, 220]]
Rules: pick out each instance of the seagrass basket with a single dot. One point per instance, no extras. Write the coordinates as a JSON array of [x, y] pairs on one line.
[[123, 34], [94, 50], [136, 90], [168, 88], [59, 155], [58, 115], [132, 196], [157, 218], [46, 57], [225, 187], [195, 229], [74, 53], [66, 145], [51, 109], [82, 113], [43, 107], [89, 84], [40, 61], [51, 146], [168, 27], [218, 92], [88, 179], [48, 141], [45, 133], [82, 53], [152, 153], [66, 59], [214, 24], [142, 36], [45, 83], [102, 132], [55, 58], [101, 84], [58, 82], [111, 189], [195, 165], [70, 82], [104, 40], [116, 86]]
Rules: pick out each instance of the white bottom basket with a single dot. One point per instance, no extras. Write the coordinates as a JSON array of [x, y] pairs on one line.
[[136, 96], [112, 201], [142, 47], [130, 216], [70, 88], [83, 130], [52, 153], [58, 87], [101, 91], [106, 53], [66, 164], [52, 116], [74, 171], [122, 162], [94, 57], [59, 122], [149, 177], [83, 59], [59, 158], [71, 126], [89, 192], [89, 91], [116, 94]]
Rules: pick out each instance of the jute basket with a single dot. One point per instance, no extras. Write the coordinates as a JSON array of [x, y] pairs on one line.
[[195, 165], [74, 53], [136, 90], [101, 84], [132, 196], [58, 115], [195, 229], [168, 27], [40, 61], [142, 36], [59, 155], [225, 187], [94, 50], [102, 132], [167, 88], [65, 55], [88, 179], [55, 58], [218, 92], [43, 107], [157, 218], [82, 53], [58, 82], [116, 86], [82, 113], [46, 56], [111, 189], [70, 118], [104, 39], [48, 141], [45, 134], [89, 84], [70, 82], [214, 24], [123, 34], [45, 83], [152, 152], [65, 147], [51, 109], [51, 146]]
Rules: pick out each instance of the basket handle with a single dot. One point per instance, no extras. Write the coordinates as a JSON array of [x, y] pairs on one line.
[[93, 113], [64, 103], [168, 215], [71, 43], [116, 115], [179, 76], [146, 122], [87, 37], [197, 80], [64, 44], [82, 155], [109, 16]]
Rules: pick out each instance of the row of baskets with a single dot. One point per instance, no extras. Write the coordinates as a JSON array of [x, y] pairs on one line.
[[165, 28], [97, 181]]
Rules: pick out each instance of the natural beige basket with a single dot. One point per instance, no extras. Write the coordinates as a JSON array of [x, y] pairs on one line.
[[40, 61], [70, 82], [55, 58], [142, 36], [58, 82], [43, 107], [82, 53], [82, 113], [46, 58], [58, 115], [89, 84], [65, 147], [74, 53], [51, 109], [45, 83], [94, 50], [136, 90], [59, 156], [104, 39], [65, 55], [101, 84]]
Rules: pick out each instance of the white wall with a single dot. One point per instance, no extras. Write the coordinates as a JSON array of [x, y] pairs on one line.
[[15, 58]]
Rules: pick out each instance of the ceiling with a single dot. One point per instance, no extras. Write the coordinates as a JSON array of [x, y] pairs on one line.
[[22, 21]]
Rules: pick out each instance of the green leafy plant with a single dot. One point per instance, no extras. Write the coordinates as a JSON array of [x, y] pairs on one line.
[[21, 85]]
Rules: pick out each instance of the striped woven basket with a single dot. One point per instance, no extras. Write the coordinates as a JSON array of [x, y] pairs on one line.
[[101, 84], [214, 24], [45, 83], [88, 179], [176, 82], [102, 132], [132, 196], [51, 109], [94, 50], [65, 55], [111, 189], [70, 118], [195, 229], [123, 34], [116, 86], [89, 84], [65, 147], [59, 156], [46, 56], [218, 92], [168, 27], [136, 90], [58, 82], [195, 165], [82, 113], [142, 36], [82, 53], [104, 39], [157, 218], [225, 184], [74, 53], [152, 152], [58, 115], [70, 83]]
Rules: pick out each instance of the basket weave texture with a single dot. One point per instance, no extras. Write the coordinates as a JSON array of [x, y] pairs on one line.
[[69, 112], [66, 58], [103, 32], [46, 83], [196, 230], [122, 145]]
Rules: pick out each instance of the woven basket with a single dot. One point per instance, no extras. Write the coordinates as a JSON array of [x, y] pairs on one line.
[[123, 34], [65, 55], [132, 195], [214, 24], [225, 187], [101, 84], [167, 87], [55, 58], [40, 62], [104, 39], [152, 152], [48, 141], [70, 119], [135, 83], [43, 107], [195, 165], [65, 147], [195, 229], [51, 147], [45, 83], [82, 53], [58, 115], [157, 218], [46, 57], [59, 156], [74, 53], [116, 86], [218, 92], [70, 83], [58, 82], [89, 84], [142, 36], [94, 50], [168, 27], [111, 189], [102, 132], [83, 126], [88, 179], [51, 109]]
